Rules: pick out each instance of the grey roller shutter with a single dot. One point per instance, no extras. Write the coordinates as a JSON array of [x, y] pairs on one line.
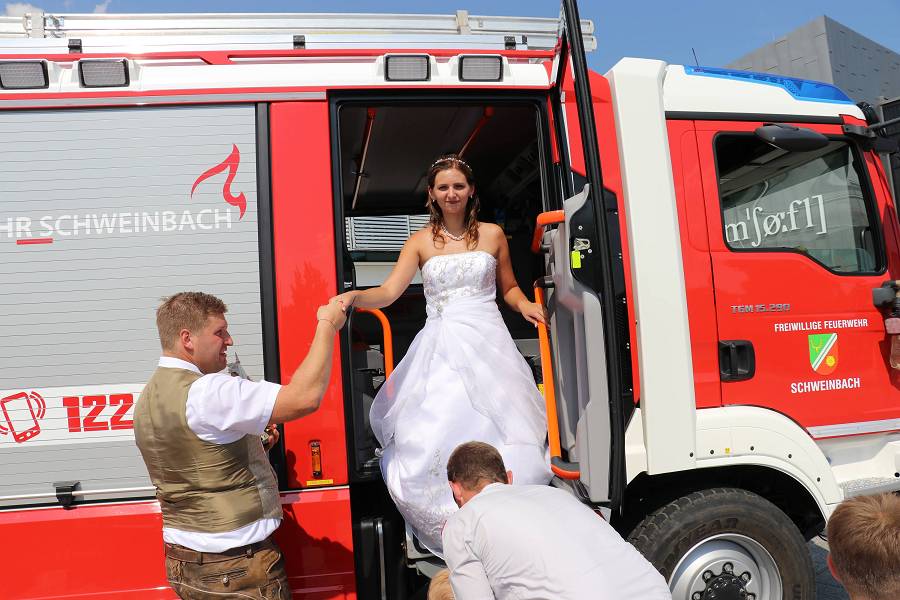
[[387, 233], [103, 212]]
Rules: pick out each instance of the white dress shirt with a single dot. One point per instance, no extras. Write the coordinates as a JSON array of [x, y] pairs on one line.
[[222, 409], [539, 542]]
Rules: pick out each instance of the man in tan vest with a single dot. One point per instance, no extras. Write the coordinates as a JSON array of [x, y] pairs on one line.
[[199, 431]]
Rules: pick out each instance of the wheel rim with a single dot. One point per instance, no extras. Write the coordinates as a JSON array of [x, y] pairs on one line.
[[727, 566]]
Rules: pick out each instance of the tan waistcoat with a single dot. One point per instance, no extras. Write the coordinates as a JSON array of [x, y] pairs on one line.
[[201, 486]]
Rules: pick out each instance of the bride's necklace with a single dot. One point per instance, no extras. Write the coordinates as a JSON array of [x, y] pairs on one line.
[[456, 238]]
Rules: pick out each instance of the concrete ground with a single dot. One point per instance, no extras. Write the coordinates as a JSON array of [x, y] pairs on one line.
[[826, 587]]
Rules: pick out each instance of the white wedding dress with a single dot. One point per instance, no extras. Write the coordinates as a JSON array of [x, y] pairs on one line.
[[462, 379]]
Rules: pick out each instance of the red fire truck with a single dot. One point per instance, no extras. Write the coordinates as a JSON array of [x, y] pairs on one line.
[[717, 250]]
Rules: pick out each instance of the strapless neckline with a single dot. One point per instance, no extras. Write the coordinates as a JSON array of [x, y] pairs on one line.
[[429, 259]]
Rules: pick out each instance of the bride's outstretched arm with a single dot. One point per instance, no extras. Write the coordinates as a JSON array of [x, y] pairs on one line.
[[509, 289], [395, 284]]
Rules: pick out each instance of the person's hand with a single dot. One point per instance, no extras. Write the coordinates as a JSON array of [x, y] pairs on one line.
[[533, 313], [273, 435], [347, 298], [333, 312]]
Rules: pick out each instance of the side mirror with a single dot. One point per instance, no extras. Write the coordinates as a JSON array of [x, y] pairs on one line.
[[790, 138]]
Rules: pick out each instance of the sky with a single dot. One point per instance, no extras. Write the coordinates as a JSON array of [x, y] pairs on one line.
[[718, 31]]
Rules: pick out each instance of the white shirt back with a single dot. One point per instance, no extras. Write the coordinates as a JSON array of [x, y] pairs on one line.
[[538, 542]]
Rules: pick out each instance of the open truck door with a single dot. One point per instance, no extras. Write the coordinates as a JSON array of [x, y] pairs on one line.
[[589, 357]]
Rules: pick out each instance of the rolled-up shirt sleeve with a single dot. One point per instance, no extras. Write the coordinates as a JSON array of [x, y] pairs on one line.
[[222, 409], [467, 576]]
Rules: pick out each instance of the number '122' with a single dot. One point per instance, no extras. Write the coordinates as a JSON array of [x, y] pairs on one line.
[[94, 405]]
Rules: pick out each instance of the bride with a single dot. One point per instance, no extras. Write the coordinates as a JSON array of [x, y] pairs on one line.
[[463, 378]]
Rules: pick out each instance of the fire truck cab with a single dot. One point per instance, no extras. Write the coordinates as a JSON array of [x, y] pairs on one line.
[[718, 251]]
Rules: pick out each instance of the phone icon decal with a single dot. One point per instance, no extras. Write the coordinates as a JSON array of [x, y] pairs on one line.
[[21, 413]]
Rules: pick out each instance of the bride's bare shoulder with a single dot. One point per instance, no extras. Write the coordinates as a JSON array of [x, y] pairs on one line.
[[491, 230], [420, 237], [493, 238], [420, 241]]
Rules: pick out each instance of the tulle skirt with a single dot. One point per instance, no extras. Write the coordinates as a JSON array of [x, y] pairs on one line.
[[462, 379]]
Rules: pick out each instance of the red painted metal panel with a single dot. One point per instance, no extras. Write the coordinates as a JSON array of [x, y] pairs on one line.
[[573, 123], [305, 276], [316, 535], [554, 148], [815, 295], [698, 276], [612, 180], [116, 550], [109, 550], [316, 538]]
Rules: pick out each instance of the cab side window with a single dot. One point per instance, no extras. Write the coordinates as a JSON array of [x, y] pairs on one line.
[[814, 202]]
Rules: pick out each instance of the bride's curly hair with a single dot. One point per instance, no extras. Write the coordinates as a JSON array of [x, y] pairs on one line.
[[436, 220]]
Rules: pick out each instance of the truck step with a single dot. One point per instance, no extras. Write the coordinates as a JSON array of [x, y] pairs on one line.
[[870, 486]]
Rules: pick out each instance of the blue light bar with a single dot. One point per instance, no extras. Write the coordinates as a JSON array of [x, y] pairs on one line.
[[801, 89]]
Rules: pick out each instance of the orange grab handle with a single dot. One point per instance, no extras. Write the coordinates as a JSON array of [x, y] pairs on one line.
[[549, 389], [388, 338], [544, 219], [564, 473]]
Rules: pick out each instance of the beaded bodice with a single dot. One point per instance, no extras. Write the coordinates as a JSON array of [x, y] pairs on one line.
[[450, 277]]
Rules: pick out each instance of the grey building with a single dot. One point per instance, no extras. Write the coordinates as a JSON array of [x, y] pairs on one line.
[[826, 50]]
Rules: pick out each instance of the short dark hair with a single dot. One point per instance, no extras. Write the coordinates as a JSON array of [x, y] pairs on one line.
[[475, 464], [185, 310], [864, 541]]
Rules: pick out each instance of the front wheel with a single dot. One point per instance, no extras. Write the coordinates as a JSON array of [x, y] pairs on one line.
[[726, 544]]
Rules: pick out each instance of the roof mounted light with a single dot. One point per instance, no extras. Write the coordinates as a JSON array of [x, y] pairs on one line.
[[23, 75], [407, 67], [801, 89], [103, 73], [481, 67]]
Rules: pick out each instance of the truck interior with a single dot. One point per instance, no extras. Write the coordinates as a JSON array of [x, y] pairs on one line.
[[382, 150], [385, 150]]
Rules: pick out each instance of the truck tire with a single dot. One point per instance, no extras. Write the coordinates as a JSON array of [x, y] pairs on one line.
[[725, 543]]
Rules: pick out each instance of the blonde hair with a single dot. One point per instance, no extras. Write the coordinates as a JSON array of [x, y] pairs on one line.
[[864, 542], [185, 310], [439, 588]]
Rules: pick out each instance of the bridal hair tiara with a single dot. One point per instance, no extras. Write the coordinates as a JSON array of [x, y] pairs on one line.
[[451, 159]]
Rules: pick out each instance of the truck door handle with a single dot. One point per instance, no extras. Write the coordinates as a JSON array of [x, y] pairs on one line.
[[737, 360]]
